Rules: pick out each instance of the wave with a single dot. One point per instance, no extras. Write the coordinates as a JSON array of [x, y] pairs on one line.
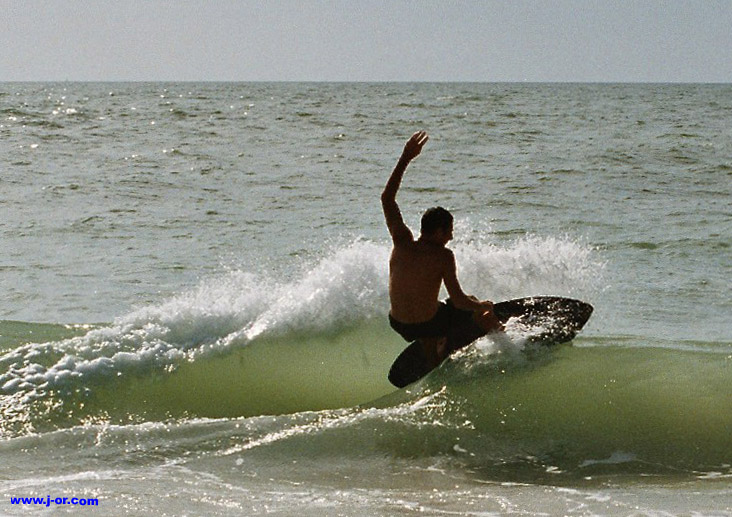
[[300, 365], [249, 365], [313, 351], [577, 413], [249, 330]]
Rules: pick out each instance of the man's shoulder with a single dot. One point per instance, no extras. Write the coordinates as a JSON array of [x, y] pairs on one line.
[[444, 252], [439, 252], [448, 257]]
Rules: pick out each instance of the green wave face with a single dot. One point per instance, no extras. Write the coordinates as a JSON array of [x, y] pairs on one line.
[[578, 410]]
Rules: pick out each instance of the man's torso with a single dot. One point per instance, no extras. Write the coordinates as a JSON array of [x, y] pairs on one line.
[[416, 270]]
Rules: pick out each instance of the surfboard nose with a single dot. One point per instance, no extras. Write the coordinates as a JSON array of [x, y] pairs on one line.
[[583, 312], [550, 320]]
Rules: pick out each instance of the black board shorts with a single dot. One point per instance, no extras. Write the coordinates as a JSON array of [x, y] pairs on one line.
[[454, 324], [438, 326]]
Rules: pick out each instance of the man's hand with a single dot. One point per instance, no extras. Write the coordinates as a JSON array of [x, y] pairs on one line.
[[487, 305], [478, 305], [489, 320], [484, 305], [400, 232], [414, 146]]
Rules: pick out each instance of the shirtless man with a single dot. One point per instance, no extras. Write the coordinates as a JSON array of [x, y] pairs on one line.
[[417, 269]]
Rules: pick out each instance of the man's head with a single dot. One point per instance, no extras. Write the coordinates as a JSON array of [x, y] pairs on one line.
[[437, 224]]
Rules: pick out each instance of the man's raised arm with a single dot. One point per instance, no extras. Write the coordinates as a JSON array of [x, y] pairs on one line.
[[394, 221]]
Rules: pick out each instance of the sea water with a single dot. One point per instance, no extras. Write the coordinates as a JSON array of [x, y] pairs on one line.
[[194, 282]]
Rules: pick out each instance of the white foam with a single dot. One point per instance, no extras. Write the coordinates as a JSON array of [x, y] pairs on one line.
[[350, 285]]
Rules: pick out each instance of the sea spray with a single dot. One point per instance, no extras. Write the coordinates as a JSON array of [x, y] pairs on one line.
[[529, 266], [349, 285]]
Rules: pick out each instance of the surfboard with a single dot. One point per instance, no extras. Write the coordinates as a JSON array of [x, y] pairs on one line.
[[547, 320]]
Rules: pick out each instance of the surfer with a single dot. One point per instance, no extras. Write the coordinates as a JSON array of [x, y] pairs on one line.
[[417, 269]]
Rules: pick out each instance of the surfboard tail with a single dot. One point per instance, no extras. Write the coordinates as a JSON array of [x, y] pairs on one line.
[[411, 366]]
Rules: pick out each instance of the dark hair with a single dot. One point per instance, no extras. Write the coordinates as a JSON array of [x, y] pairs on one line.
[[434, 219]]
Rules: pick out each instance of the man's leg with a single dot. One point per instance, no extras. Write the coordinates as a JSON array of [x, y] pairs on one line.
[[435, 350]]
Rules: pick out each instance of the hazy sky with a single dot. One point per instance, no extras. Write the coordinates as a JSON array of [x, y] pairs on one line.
[[366, 40]]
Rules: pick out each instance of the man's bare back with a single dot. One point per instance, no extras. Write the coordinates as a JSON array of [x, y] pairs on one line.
[[416, 271], [418, 268]]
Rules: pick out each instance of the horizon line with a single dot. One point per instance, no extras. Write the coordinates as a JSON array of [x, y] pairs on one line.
[[318, 81]]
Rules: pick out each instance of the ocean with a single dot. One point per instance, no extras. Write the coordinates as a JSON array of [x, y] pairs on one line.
[[194, 299]]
